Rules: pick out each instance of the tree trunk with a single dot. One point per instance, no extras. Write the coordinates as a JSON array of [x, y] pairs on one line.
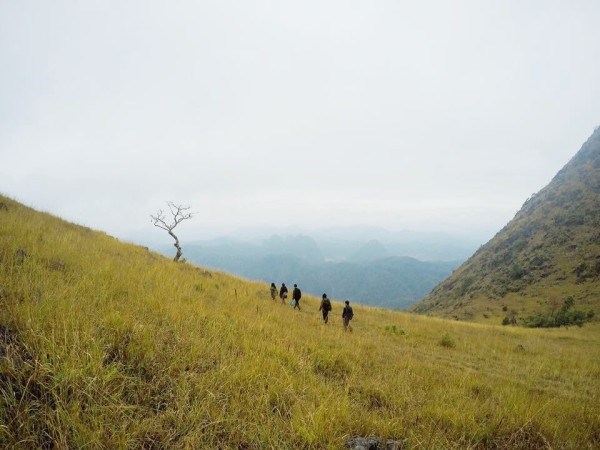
[[176, 244]]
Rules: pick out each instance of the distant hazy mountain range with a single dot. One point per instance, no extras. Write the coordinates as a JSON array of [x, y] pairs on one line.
[[367, 271], [548, 253]]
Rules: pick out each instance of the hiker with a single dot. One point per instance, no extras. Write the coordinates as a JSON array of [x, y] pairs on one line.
[[273, 291], [325, 308], [347, 316], [296, 296], [283, 292]]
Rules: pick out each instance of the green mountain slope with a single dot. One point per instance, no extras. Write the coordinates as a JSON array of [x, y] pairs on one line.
[[107, 345], [550, 251]]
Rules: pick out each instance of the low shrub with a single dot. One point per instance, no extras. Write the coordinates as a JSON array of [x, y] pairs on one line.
[[393, 329], [566, 316], [447, 341]]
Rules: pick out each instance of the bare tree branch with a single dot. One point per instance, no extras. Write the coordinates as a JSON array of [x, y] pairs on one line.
[[159, 220]]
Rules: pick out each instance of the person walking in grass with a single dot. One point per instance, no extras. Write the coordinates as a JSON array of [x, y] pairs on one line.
[[283, 292], [296, 296], [273, 291], [325, 308], [347, 316]]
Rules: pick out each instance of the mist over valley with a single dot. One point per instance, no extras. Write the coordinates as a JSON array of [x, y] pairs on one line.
[[368, 265]]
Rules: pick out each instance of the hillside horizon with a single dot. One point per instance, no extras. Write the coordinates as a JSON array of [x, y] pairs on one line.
[[339, 243]]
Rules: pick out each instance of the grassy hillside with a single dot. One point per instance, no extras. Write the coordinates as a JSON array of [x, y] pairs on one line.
[[549, 252], [107, 345]]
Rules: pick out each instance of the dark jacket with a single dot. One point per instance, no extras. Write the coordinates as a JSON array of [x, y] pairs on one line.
[[348, 312], [283, 290], [297, 295]]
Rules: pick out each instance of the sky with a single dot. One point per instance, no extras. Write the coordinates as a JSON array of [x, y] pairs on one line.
[[434, 115]]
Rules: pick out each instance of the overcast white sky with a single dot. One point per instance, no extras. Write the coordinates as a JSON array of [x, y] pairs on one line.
[[432, 115]]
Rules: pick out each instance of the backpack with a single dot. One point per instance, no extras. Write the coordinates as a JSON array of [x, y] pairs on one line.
[[326, 305], [349, 312]]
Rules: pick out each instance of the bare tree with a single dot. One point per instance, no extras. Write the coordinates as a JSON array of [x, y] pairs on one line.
[[179, 213]]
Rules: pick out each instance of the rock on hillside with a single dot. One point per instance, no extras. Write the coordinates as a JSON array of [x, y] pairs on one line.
[[548, 252]]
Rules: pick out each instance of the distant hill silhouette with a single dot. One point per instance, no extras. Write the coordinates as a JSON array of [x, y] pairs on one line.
[[371, 251], [549, 252], [304, 247]]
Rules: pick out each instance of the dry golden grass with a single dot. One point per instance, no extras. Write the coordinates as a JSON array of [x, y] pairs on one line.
[[107, 345]]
